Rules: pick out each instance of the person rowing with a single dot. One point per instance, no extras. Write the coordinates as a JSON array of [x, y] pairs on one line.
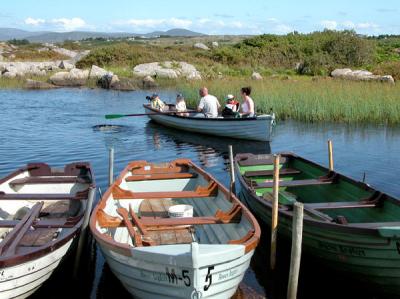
[[209, 104], [156, 102]]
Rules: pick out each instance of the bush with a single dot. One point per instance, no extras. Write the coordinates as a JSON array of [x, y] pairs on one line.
[[18, 42], [388, 68]]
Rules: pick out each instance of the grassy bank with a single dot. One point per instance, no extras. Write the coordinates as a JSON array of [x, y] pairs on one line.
[[315, 100]]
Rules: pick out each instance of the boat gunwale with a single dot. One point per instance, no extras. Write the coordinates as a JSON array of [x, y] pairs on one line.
[[263, 117], [125, 249], [40, 251], [307, 220]]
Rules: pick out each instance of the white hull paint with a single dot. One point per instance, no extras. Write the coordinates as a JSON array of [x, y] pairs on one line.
[[182, 271], [22, 280], [250, 129]]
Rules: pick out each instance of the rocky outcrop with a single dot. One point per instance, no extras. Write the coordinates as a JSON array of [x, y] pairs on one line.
[[124, 84], [167, 69], [21, 69], [74, 77], [201, 46], [97, 72], [148, 82], [215, 44], [256, 76], [65, 52], [65, 65], [360, 75], [32, 84]]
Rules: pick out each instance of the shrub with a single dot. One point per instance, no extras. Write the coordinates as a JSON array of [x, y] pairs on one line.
[[388, 68]]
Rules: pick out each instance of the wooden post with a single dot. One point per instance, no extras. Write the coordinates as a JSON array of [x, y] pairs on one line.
[[111, 167], [295, 258], [274, 218], [83, 233], [232, 170], [330, 152]]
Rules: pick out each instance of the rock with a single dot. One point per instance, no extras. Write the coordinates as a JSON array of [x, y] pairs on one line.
[[149, 82], [9, 75], [97, 72], [167, 69], [65, 65], [114, 80], [256, 76], [201, 46], [79, 56], [1, 58], [124, 84], [65, 52], [32, 84], [215, 44], [360, 75], [37, 72], [106, 80], [74, 77]]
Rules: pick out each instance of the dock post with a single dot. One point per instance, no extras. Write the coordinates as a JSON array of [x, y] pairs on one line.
[[111, 167], [330, 152], [83, 232], [295, 257], [274, 218], [232, 170]]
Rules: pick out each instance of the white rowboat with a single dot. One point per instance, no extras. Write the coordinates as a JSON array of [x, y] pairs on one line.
[[253, 128], [41, 213], [158, 257]]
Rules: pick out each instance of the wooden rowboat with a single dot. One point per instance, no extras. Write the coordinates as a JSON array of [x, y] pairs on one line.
[[41, 213], [157, 256], [348, 225], [253, 128]]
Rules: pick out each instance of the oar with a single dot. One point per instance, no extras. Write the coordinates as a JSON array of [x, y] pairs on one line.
[[111, 116]]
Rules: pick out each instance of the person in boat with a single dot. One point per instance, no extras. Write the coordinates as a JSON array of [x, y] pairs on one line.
[[156, 102], [180, 105], [248, 109], [231, 108], [209, 104]]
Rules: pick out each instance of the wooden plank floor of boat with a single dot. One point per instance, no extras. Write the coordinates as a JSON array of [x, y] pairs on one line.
[[159, 208]]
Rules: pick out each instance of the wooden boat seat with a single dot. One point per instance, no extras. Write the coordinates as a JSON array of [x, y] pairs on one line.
[[266, 161], [283, 171], [295, 183], [60, 209], [340, 205], [48, 180], [38, 237], [161, 176], [34, 196], [201, 191]]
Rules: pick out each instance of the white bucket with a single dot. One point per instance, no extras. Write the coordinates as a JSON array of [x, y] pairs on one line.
[[179, 211]]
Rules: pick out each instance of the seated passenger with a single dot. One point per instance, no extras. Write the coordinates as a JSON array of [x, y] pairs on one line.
[[209, 104], [156, 102], [231, 108], [248, 109], [180, 105]]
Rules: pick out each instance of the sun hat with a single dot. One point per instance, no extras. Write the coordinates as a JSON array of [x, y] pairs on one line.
[[154, 95], [179, 96], [229, 97]]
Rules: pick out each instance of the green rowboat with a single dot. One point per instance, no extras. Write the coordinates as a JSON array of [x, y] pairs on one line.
[[348, 225]]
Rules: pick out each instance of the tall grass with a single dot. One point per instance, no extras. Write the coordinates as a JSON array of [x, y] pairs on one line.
[[312, 100]]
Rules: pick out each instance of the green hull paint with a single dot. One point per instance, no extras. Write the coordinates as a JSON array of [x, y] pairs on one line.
[[371, 255]]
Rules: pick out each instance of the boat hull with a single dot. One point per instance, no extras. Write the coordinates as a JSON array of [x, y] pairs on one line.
[[259, 129], [22, 280], [209, 274], [369, 258]]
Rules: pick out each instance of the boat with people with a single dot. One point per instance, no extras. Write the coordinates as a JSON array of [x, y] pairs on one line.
[[171, 230], [348, 225], [257, 128], [41, 214]]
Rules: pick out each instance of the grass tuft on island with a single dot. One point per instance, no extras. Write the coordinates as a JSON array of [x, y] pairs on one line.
[[317, 100]]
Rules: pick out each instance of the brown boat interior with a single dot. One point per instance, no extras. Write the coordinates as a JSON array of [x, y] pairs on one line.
[[41, 218], [216, 219], [327, 196]]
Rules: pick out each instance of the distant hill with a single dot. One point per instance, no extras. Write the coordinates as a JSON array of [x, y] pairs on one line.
[[45, 36]]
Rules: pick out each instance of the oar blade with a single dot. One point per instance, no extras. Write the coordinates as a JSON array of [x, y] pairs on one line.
[[112, 116]]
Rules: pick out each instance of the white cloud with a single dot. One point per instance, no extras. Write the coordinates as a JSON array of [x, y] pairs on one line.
[[329, 24], [69, 24], [34, 22], [155, 23], [283, 29]]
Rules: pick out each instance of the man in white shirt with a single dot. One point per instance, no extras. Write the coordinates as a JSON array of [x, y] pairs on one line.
[[209, 104]]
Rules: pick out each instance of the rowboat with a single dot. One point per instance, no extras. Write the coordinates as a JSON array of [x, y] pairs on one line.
[[348, 225], [156, 254], [41, 213], [252, 128]]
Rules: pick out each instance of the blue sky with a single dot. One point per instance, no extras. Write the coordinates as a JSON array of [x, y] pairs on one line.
[[207, 16]]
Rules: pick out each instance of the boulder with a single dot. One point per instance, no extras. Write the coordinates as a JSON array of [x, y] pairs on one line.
[[167, 69], [74, 77], [65, 65], [201, 46], [74, 60], [148, 82], [97, 72], [256, 76], [360, 75], [65, 52], [32, 84], [124, 84], [215, 44], [9, 75]]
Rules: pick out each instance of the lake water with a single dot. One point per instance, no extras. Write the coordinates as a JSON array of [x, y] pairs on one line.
[[59, 127]]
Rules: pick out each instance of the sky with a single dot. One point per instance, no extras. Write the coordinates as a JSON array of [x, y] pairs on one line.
[[206, 16]]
